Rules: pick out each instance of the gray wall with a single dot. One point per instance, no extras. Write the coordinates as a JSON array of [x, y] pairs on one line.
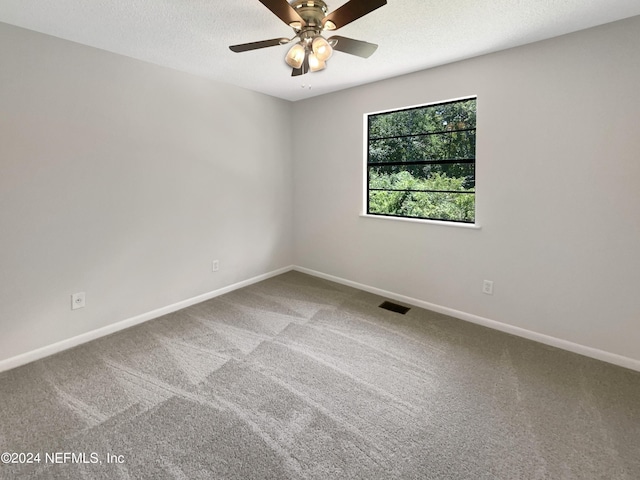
[[125, 180], [558, 191]]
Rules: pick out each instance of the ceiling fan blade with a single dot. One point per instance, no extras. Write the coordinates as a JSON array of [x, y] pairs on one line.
[[349, 12], [283, 11], [353, 47], [245, 47]]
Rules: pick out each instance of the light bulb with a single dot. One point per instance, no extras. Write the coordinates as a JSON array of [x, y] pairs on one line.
[[314, 63], [322, 49], [295, 56]]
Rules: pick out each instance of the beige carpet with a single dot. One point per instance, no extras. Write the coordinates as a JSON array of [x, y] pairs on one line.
[[300, 378]]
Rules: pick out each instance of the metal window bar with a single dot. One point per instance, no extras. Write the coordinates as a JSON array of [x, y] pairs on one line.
[[424, 162], [425, 107], [469, 192], [423, 134], [421, 218]]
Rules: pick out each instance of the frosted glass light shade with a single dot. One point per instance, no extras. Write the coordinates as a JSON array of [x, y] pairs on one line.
[[321, 48], [329, 25], [315, 64], [295, 56]]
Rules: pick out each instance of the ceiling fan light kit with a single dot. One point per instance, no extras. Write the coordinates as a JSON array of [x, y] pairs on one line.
[[296, 54], [308, 19], [315, 64], [321, 48]]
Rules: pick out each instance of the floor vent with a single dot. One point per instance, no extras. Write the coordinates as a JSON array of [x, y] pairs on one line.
[[394, 307]]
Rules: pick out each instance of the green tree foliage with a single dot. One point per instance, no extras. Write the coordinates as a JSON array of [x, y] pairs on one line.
[[405, 195], [422, 162]]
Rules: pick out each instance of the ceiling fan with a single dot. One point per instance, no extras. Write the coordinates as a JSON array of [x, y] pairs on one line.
[[309, 19]]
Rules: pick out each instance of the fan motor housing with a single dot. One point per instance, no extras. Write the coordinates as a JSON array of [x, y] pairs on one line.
[[311, 11]]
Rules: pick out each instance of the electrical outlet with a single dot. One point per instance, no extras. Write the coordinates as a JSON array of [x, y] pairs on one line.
[[78, 300], [487, 287], [215, 265]]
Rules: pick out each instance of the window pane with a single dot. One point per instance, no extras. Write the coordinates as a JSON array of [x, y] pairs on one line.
[[433, 118], [436, 206], [443, 177], [443, 146], [421, 162]]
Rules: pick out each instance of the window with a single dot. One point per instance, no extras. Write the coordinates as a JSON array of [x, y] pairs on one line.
[[421, 162]]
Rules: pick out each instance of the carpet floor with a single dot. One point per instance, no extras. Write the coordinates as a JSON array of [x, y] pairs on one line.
[[300, 378]]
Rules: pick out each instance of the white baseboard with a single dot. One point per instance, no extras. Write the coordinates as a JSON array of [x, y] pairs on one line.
[[39, 353], [503, 327], [48, 350]]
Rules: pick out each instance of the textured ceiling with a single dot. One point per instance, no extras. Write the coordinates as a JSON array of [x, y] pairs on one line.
[[194, 35]]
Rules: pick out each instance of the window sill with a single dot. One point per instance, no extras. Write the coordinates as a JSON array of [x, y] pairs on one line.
[[472, 226]]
